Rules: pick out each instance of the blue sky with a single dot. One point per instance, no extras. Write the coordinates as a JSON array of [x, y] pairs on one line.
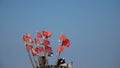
[[93, 27]]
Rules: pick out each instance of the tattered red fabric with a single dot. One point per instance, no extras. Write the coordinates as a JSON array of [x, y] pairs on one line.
[[39, 35], [25, 38], [34, 51], [37, 40], [28, 47], [28, 35], [48, 49], [31, 41], [66, 43], [40, 49], [49, 34], [46, 34], [62, 37], [60, 48], [46, 42]]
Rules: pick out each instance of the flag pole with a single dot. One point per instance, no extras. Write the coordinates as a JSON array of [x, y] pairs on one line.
[[59, 44], [35, 61], [58, 56], [38, 54], [30, 58], [28, 53], [45, 53], [46, 57]]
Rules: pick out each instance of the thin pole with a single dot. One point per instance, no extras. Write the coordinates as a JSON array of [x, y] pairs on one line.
[[38, 61], [72, 63], [58, 55], [30, 58], [35, 61], [46, 55]]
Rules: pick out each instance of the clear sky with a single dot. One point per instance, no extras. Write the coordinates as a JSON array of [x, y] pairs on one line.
[[93, 27]]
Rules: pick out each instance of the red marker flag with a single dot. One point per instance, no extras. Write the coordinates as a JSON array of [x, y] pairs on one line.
[[46, 34], [39, 35], [30, 40], [34, 51], [60, 48], [25, 38], [28, 47], [62, 37], [46, 42], [40, 49], [37, 40], [48, 49], [66, 43], [28, 35]]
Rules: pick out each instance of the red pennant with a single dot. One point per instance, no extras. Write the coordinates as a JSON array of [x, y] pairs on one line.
[[46, 34], [31, 41], [60, 48], [62, 37], [25, 38], [48, 49], [28, 35], [66, 43], [34, 52], [39, 35], [49, 34], [46, 42], [40, 49], [37, 40], [28, 47]]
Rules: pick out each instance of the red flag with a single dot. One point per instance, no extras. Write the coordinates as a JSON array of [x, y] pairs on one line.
[[28, 35], [25, 38], [46, 42], [28, 47], [62, 37], [37, 40], [34, 52], [48, 49], [30, 40], [40, 49], [60, 48], [39, 35], [49, 34], [66, 43], [46, 34]]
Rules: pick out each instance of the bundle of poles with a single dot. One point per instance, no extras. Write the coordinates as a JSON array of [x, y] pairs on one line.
[[42, 47]]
